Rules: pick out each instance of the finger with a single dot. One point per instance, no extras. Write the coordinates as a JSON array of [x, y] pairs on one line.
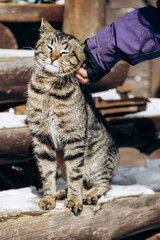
[[82, 72], [81, 79]]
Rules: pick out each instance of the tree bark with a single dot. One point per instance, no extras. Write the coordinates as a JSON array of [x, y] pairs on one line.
[[106, 221]]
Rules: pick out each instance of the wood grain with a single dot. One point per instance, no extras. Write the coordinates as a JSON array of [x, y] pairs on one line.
[[14, 12], [14, 74], [15, 145], [84, 18], [114, 220]]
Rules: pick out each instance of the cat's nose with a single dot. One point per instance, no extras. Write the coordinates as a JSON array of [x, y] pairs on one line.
[[53, 57]]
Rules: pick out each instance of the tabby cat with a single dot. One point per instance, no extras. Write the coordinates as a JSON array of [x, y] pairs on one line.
[[63, 120]]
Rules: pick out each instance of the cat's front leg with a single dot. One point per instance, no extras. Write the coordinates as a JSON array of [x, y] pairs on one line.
[[74, 157], [48, 175], [46, 161]]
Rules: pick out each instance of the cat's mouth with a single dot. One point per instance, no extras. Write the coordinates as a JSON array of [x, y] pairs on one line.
[[58, 69]]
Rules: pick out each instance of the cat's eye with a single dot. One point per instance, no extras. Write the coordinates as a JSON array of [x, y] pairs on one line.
[[50, 47], [63, 52]]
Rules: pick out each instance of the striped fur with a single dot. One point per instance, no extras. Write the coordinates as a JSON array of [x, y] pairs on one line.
[[62, 119]]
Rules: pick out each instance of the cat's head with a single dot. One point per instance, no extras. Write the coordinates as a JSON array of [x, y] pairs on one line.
[[58, 52]]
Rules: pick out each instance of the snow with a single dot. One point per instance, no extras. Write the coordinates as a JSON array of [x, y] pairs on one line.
[[142, 175], [10, 120], [5, 53], [26, 199], [107, 95], [60, 1]]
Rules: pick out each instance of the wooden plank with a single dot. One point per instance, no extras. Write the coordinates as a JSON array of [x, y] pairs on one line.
[[101, 222], [121, 110], [84, 27], [15, 12], [100, 103]]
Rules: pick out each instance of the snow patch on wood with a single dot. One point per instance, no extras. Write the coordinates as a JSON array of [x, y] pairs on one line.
[[26, 199], [11, 53]]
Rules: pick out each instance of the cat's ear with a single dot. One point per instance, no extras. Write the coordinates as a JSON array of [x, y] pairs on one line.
[[45, 27]]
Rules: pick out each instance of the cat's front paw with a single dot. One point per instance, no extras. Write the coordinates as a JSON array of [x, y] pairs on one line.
[[90, 200], [61, 194], [47, 203], [75, 205]]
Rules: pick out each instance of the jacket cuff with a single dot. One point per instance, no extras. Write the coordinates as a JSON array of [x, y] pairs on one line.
[[94, 71]]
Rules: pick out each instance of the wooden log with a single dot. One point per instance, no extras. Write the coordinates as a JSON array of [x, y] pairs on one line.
[[114, 220], [140, 133], [7, 39], [15, 12], [15, 145], [84, 27], [15, 71]]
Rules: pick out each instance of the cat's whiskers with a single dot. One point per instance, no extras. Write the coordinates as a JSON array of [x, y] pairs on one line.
[[63, 75], [72, 76], [28, 68], [61, 81]]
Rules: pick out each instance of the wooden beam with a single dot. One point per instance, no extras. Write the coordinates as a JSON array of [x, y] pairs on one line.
[[114, 220], [15, 12], [84, 18]]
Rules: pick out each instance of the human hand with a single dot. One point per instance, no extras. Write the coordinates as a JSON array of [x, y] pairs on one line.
[[82, 76]]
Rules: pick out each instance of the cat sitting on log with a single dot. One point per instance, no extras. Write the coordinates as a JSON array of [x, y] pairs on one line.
[[62, 119]]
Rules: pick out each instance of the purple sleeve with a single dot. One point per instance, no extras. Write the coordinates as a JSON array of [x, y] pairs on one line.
[[134, 38]]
